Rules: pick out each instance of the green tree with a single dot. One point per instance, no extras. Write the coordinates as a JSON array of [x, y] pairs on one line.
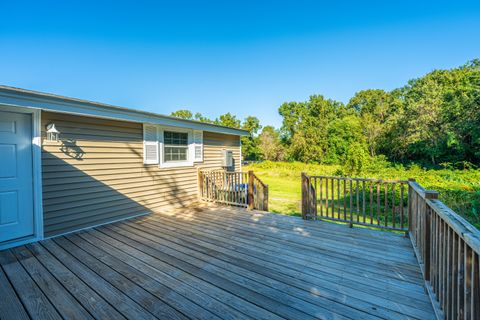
[[252, 125], [228, 120], [270, 145], [356, 159], [305, 127], [343, 133], [201, 118], [439, 118], [373, 107], [183, 114], [250, 150]]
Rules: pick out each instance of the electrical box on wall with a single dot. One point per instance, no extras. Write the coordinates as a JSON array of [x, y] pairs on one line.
[[227, 159]]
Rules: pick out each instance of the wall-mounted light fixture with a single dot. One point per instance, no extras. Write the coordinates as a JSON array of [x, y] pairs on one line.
[[52, 133]]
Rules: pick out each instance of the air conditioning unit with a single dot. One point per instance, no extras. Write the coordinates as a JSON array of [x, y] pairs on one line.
[[227, 158]]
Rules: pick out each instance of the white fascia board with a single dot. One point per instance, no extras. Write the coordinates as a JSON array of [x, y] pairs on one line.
[[72, 106]]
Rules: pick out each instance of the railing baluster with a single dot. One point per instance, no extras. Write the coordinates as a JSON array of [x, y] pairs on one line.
[[434, 275], [468, 282], [448, 259], [453, 293], [321, 196], [238, 187], [344, 199], [358, 201], [351, 204], [363, 200], [333, 198], [326, 196], [475, 286], [461, 280], [339, 199], [232, 187], [393, 205], [442, 263], [371, 202], [378, 203], [386, 204], [402, 222], [438, 260]]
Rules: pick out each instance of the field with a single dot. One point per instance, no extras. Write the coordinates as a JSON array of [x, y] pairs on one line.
[[459, 189]]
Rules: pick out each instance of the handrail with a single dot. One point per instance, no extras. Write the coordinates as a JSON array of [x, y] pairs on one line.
[[359, 179], [259, 181]]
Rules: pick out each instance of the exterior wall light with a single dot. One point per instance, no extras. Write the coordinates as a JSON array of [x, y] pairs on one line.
[[52, 133]]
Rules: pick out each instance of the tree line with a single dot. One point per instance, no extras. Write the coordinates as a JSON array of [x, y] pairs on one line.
[[433, 120]]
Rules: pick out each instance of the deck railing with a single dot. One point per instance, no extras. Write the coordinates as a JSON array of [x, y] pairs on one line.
[[446, 245], [370, 202], [243, 189], [447, 248]]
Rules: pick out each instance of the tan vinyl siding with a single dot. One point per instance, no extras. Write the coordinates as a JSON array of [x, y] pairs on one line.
[[96, 173]]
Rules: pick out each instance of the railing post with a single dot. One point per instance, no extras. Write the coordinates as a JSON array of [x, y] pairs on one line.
[[409, 204], [265, 198], [200, 184], [250, 190], [304, 195], [429, 194]]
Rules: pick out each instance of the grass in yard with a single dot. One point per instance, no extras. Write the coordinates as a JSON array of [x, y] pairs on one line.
[[283, 181], [459, 189]]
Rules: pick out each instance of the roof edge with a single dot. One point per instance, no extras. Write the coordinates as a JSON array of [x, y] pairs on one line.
[[52, 102]]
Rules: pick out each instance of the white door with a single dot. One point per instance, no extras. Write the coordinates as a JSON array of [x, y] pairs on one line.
[[16, 181]]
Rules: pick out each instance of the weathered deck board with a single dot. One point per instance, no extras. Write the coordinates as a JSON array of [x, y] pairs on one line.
[[329, 281], [35, 302], [262, 275], [215, 262], [10, 305], [77, 288]]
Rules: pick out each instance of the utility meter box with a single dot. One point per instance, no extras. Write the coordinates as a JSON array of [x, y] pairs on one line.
[[227, 159]]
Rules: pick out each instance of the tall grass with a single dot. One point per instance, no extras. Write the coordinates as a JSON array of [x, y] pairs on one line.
[[459, 189]]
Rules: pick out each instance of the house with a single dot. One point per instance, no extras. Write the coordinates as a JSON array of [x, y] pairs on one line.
[[67, 164]]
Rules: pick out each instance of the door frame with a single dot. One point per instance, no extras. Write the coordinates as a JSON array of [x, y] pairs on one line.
[[36, 176]]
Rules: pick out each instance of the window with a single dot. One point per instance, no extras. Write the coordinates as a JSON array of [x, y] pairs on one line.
[[170, 147], [175, 146]]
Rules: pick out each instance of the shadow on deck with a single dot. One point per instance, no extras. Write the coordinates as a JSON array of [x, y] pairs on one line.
[[215, 262]]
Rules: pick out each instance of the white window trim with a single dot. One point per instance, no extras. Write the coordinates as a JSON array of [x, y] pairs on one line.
[[191, 148]]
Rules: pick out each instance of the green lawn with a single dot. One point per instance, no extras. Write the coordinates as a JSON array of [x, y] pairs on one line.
[[459, 189]]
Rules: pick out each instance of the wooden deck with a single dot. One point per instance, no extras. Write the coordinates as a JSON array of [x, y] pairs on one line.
[[211, 263]]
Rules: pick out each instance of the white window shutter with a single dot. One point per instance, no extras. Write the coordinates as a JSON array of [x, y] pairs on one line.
[[198, 145], [150, 144]]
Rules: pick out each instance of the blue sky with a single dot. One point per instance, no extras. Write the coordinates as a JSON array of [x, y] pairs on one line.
[[245, 57]]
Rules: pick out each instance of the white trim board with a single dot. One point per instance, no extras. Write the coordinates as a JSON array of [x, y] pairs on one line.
[[37, 177]]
